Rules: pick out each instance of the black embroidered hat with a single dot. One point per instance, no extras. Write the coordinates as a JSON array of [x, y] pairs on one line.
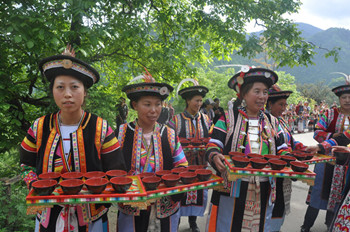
[[250, 75], [67, 64], [147, 88], [275, 92], [189, 92], [339, 90]]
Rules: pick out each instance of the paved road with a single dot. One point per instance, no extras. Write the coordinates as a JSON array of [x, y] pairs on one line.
[[298, 207]]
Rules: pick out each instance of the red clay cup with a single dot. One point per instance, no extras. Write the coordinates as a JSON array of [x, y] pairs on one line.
[[205, 140], [151, 183], [268, 157], [193, 168], [236, 153], [94, 174], [96, 185], [276, 164], [288, 159], [115, 173], [50, 176], [254, 155], [203, 174], [258, 163], [178, 170], [300, 156], [162, 173], [44, 187], [196, 142], [121, 184], [146, 174], [170, 180], [72, 175], [184, 142], [240, 162], [71, 186], [188, 177], [298, 166]]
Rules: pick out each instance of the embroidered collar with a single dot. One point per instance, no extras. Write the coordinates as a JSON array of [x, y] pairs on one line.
[[188, 115], [154, 148], [243, 111]]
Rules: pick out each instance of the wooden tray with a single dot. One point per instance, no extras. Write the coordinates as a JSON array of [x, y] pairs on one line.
[[194, 148], [319, 158], [162, 190], [136, 193], [237, 173]]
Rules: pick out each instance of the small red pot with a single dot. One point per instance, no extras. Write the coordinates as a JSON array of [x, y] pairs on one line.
[[258, 163]]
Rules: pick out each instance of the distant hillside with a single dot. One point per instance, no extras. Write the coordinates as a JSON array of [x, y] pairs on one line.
[[333, 37], [308, 30], [327, 39]]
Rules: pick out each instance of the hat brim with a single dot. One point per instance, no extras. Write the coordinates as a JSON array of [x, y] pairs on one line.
[[135, 91], [254, 75], [339, 90], [280, 94], [190, 92], [88, 78]]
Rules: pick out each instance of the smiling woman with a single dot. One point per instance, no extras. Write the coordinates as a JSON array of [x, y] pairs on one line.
[[149, 147], [246, 129], [193, 124], [65, 142], [148, 110]]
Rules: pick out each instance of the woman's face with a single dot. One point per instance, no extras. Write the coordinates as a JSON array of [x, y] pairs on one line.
[[256, 98], [278, 107], [68, 93], [194, 104], [148, 109], [344, 101]]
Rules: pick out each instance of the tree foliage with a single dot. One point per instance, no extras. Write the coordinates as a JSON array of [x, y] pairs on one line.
[[318, 91], [120, 38], [287, 82], [12, 198]]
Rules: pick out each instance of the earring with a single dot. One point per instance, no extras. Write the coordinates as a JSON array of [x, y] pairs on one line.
[[243, 103]]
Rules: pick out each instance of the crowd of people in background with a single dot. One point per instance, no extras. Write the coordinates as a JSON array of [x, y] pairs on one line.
[[302, 117]]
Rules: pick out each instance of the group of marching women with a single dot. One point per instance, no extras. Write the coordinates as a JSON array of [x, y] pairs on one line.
[[73, 139]]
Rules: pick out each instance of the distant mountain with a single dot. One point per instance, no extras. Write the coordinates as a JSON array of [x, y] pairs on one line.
[[321, 71], [308, 30], [325, 39]]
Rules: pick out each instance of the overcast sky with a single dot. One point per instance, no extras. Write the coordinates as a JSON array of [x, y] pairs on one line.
[[321, 13]]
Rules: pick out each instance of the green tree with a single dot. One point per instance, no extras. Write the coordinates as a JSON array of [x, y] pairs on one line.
[[121, 37], [318, 91], [287, 82]]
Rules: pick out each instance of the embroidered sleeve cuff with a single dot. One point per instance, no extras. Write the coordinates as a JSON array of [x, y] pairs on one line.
[[28, 174], [329, 136], [211, 153], [321, 147], [347, 134]]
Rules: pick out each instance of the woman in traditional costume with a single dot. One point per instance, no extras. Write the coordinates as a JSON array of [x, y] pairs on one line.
[[149, 147], [341, 221], [246, 129], [70, 140], [193, 124], [331, 130], [207, 108], [276, 105]]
